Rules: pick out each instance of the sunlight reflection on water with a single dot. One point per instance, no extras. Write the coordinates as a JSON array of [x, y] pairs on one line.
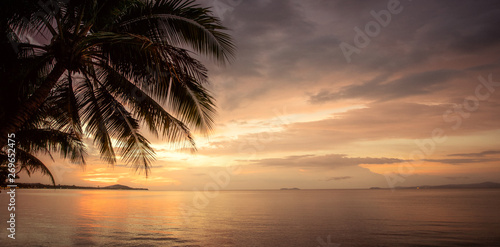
[[257, 218]]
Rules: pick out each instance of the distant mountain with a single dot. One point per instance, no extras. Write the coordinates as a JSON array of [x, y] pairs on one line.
[[485, 185], [121, 187], [46, 186], [289, 189]]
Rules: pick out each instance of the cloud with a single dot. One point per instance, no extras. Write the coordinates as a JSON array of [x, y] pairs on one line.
[[457, 178], [480, 154], [330, 161], [396, 90], [290, 53], [379, 90], [338, 178], [460, 161], [468, 33], [376, 121], [468, 158]]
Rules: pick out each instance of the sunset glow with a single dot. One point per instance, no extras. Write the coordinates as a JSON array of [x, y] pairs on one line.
[[420, 100]]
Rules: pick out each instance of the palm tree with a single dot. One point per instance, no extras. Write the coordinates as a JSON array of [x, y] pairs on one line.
[[46, 132], [110, 65]]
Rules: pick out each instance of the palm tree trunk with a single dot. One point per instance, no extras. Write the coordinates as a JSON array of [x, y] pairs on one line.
[[13, 122]]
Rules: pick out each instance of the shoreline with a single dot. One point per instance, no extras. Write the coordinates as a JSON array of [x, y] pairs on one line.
[[73, 187]]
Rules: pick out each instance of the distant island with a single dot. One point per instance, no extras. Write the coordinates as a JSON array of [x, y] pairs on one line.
[[289, 189], [47, 186], [485, 185]]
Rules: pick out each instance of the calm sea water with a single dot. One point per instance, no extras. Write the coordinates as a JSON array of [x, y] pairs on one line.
[[255, 218]]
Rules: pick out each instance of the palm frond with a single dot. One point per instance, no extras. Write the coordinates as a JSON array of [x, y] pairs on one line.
[[146, 109], [92, 116], [105, 68], [47, 140], [29, 163], [125, 129], [153, 67], [179, 23], [117, 123], [63, 107]]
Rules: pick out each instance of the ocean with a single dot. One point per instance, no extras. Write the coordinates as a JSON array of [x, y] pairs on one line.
[[326, 218]]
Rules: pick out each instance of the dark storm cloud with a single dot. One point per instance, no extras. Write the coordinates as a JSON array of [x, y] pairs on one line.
[[284, 45], [263, 30], [272, 37], [467, 26], [429, 29]]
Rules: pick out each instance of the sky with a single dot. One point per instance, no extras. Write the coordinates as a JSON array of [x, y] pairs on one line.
[[335, 95]]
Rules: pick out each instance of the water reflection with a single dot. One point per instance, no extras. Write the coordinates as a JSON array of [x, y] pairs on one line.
[[130, 217], [258, 218]]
